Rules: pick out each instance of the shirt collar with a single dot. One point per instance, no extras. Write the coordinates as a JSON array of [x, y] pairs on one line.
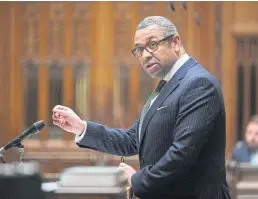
[[180, 62]]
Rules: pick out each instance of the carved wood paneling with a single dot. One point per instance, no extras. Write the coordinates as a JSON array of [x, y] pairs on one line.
[[207, 36], [16, 80], [30, 80], [123, 61], [81, 59], [55, 97], [247, 82], [30, 62], [57, 58], [134, 67], [123, 32], [81, 30], [228, 60], [43, 94], [67, 86], [102, 62], [253, 78], [82, 52], [240, 86], [5, 21], [255, 62], [56, 31], [246, 65], [193, 29], [31, 33]]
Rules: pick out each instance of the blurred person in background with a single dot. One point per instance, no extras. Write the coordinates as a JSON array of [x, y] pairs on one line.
[[180, 133], [246, 151]]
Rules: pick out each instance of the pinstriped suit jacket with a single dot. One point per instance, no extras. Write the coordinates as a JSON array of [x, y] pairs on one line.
[[182, 144]]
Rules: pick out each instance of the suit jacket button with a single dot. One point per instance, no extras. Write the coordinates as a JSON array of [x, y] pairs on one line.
[[142, 161]]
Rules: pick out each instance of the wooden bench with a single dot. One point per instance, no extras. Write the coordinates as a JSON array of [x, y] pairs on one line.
[[243, 180]]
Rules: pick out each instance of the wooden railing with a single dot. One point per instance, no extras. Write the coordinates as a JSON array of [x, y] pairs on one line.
[[54, 157]]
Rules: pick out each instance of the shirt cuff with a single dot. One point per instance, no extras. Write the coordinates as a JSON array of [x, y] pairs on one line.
[[78, 138]]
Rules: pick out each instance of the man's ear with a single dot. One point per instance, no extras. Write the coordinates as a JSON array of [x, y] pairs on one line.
[[176, 43]]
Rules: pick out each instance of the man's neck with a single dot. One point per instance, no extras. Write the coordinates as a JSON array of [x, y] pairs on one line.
[[181, 60]]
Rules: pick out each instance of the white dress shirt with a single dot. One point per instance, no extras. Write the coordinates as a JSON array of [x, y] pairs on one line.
[[180, 62]]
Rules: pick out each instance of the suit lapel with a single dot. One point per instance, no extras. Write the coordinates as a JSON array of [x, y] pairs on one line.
[[172, 84]]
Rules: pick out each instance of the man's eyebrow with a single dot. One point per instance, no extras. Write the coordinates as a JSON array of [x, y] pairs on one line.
[[148, 38], [151, 37]]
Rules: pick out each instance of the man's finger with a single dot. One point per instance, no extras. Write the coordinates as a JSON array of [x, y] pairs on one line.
[[59, 107], [61, 112], [55, 117], [55, 122]]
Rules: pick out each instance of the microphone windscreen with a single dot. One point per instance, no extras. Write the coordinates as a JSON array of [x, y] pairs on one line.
[[40, 125]]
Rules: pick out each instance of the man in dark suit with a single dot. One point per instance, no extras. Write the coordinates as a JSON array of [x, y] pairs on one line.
[[180, 133]]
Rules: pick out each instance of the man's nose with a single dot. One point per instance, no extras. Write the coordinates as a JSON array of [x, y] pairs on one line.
[[146, 53]]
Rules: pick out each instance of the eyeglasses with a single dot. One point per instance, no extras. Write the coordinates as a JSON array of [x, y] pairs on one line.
[[150, 47]]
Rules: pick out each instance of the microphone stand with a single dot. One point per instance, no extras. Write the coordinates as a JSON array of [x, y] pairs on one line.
[[2, 158], [21, 151]]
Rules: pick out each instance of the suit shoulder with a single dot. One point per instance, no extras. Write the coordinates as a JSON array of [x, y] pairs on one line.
[[198, 73]]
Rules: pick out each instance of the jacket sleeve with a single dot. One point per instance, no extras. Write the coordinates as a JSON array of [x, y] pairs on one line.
[[199, 106], [112, 141]]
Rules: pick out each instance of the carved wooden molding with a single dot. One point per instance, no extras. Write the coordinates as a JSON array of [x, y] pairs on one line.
[[32, 36], [240, 29], [81, 32], [123, 32], [246, 64], [218, 40], [56, 31]]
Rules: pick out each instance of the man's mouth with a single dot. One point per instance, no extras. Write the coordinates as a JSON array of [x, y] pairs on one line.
[[150, 65], [151, 68]]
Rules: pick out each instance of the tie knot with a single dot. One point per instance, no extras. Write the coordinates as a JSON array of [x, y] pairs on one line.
[[160, 85]]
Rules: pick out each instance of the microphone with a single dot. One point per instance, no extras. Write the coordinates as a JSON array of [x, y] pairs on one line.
[[33, 129]]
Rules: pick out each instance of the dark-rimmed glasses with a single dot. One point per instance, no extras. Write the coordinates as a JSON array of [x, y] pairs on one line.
[[150, 47]]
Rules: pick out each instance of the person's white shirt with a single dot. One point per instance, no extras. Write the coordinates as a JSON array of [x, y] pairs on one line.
[[180, 62], [254, 158]]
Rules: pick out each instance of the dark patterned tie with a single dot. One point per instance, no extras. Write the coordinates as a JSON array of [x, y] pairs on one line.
[[147, 104]]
